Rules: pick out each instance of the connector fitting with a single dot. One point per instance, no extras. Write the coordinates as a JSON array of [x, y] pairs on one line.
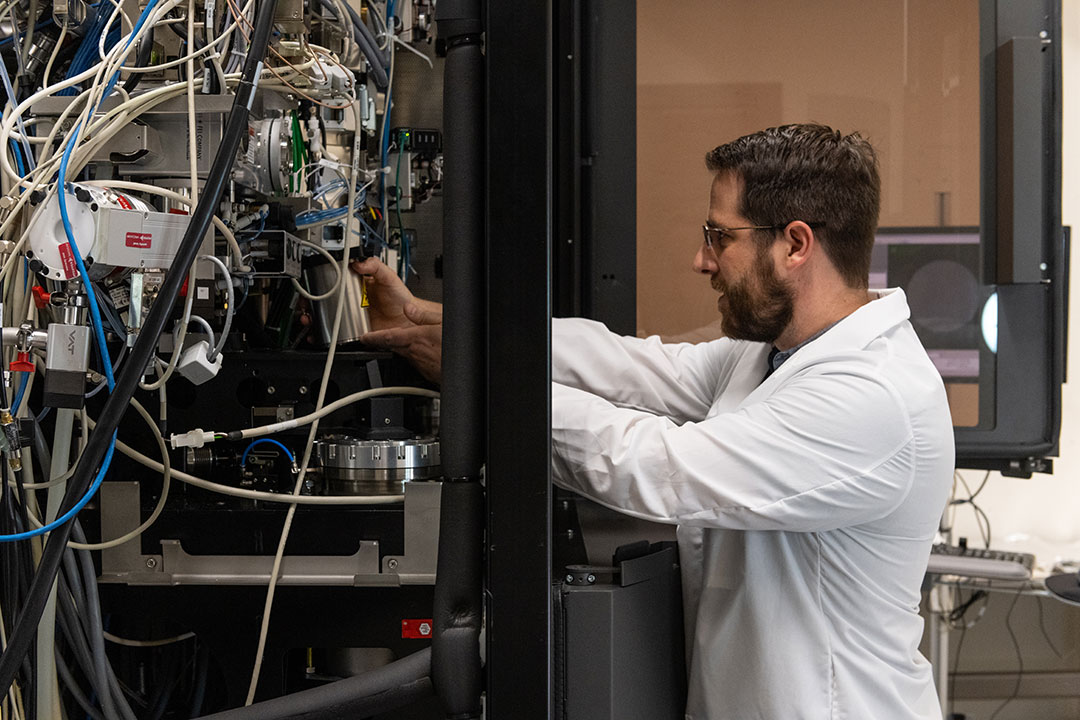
[[192, 439]]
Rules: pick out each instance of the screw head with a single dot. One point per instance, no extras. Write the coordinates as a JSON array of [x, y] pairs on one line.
[[271, 390], [151, 563], [570, 579], [591, 579], [392, 564]]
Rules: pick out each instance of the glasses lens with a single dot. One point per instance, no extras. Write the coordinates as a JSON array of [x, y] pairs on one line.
[[711, 236]]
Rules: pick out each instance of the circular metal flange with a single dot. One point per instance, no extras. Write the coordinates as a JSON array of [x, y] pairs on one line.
[[353, 466]]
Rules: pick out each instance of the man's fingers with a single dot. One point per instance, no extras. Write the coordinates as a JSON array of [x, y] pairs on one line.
[[422, 317], [391, 339], [369, 266]]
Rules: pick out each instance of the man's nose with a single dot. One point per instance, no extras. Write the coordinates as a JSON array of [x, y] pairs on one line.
[[704, 262]]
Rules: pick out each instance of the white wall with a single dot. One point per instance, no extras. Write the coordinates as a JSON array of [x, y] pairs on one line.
[[1042, 515]]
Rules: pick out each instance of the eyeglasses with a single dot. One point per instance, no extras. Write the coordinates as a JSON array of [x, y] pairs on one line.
[[716, 235]]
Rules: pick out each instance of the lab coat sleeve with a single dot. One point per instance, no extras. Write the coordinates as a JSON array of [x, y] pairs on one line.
[[822, 452], [676, 380]]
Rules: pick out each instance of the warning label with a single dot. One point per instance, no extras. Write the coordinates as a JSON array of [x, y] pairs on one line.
[[67, 259], [138, 240]]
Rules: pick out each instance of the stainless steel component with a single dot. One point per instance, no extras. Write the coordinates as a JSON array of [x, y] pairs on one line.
[[376, 467], [423, 501], [127, 564], [68, 348], [354, 318]]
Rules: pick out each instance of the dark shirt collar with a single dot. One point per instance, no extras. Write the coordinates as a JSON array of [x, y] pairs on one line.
[[778, 357]]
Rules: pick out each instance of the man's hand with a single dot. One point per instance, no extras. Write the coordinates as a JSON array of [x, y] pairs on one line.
[[402, 323]]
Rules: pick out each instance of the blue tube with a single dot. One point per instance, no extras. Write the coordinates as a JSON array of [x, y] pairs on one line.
[[271, 441]]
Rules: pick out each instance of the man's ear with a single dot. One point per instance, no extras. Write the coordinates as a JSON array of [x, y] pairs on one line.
[[799, 244]]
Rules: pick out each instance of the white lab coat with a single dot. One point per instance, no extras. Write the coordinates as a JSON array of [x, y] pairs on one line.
[[806, 504]]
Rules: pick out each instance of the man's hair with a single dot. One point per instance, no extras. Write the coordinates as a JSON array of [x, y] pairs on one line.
[[811, 173]]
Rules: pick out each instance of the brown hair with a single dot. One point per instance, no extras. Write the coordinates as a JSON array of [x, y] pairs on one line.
[[811, 173]]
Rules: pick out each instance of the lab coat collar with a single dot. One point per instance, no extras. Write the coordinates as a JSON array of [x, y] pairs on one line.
[[886, 310]]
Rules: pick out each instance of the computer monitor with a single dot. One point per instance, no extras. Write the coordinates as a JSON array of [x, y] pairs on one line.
[[999, 347], [953, 313]]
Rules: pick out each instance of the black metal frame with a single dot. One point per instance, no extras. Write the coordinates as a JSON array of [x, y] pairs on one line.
[[518, 474]]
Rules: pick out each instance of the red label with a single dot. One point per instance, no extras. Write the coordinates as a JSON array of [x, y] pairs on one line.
[[67, 259], [124, 202], [416, 629], [138, 240]]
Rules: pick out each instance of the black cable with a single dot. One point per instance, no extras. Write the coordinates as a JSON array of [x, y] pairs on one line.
[[95, 629], [955, 670], [1019, 655], [70, 630], [375, 692], [143, 50], [67, 679], [21, 638], [1042, 627], [980, 488]]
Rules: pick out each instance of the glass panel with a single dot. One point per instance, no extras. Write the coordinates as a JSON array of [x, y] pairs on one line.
[[905, 74]]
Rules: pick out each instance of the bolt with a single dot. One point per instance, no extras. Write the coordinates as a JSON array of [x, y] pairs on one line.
[[569, 579], [303, 389], [392, 564], [591, 579], [386, 421], [151, 563], [270, 390]]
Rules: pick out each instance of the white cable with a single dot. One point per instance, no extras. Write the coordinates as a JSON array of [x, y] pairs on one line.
[[178, 342], [166, 477], [253, 494], [193, 157], [291, 513], [277, 427], [55, 52], [198, 320], [333, 262], [147, 643], [229, 310]]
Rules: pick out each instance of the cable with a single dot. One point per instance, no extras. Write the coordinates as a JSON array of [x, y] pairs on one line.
[[277, 427], [270, 441], [229, 309], [162, 500], [323, 385], [95, 450], [337, 269], [1019, 655], [148, 643]]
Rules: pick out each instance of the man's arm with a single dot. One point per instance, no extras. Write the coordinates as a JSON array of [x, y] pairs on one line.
[[676, 380], [826, 451]]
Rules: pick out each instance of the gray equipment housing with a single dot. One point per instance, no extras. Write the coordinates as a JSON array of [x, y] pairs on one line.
[[620, 652]]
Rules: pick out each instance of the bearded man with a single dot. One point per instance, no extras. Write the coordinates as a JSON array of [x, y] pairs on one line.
[[806, 457]]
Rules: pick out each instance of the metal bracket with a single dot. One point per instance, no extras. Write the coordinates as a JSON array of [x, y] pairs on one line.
[[417, 566], [127, 564]]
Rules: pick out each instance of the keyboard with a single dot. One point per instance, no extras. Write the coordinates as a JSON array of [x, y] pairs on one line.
[[980, 563]]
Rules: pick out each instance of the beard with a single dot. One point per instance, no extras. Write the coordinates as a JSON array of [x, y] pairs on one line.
[[759, 306]]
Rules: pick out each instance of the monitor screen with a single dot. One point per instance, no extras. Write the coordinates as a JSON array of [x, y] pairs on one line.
[[953, 313]]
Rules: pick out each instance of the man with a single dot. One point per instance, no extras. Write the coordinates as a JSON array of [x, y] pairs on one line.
[[806, 457]]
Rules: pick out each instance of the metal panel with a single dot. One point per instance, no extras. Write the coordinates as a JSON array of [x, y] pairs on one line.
[[519, 426], [1020, 174], [623, 649]]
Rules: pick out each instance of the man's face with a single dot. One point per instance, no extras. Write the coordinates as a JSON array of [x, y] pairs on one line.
[[756, 304]]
